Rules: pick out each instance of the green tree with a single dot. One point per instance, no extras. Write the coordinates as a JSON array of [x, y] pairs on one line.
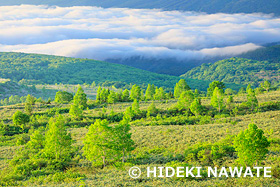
[[229, 103], [135, 106], [20, 119], [76, 112], [5, 102], [37, 140], [180, 87], [125, 95], [266, 85], [150, 92], [217, 99], [229, 91], [129, 113], [98, 95], [58, 141], [252, 100], [196, 93], [93, 84], [248, 88], [251, 146], [159, 94], [241, 91], [196, 107], [213, 85], [123, 138], [100, 144], [135, 92], [81, 98], [152, 109], [63, 97], [112, 98], [30, 100], [104, 95], [185, 100]]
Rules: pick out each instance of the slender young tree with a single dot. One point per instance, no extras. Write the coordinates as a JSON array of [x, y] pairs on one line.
[[58, 141], [112, 98], [150, 92], [135, 106], [76, 112], [123, 138], [135, 92], [229, 103], [81, 98], [217, 99], [266, 85], [252, 100], [100, 144], [98, 96], [160, 94], [125, 95], [30, 100]]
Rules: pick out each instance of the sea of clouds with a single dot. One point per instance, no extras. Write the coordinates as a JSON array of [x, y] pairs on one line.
[[114, 33]]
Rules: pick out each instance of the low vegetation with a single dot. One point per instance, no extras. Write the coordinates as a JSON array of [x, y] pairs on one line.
[[78, 141]]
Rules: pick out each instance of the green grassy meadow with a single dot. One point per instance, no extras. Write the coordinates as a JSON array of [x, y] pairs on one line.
[[155, 145]]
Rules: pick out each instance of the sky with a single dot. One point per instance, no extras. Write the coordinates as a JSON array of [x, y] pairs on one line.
[[120, 33]]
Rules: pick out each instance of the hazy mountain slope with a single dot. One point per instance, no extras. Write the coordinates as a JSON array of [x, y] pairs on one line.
[[237, 70], [269, 53], [209, 6]]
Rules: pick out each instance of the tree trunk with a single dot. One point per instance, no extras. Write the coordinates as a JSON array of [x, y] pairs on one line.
[[104, 163], [123, 156]]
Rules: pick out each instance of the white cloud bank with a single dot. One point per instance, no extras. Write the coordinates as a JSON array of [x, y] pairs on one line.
[[97, 33]]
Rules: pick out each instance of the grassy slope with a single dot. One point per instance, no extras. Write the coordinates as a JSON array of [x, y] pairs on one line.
[[237, 70], [159, 141]]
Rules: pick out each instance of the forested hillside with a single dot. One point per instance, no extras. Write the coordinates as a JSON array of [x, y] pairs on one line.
[[46, 69], [237, 70], [209, 6]]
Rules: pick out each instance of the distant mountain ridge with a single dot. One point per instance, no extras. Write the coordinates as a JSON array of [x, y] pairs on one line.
[[49, 69], [208, 6]]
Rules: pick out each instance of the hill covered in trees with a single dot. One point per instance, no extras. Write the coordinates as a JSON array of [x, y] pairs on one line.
[[209, 6], [237, 70], [47, 69]]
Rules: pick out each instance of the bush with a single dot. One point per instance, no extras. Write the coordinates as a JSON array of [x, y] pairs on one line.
[[20, 118], [63, 97]]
